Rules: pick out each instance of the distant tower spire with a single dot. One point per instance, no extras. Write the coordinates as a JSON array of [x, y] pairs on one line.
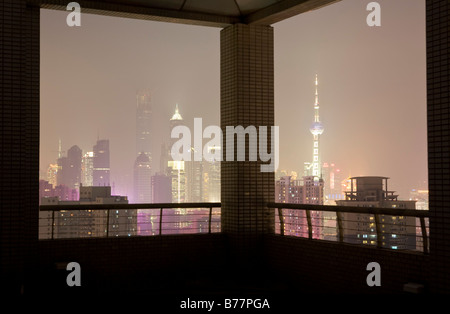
[[316, 103], [316, 130], [59, 148]]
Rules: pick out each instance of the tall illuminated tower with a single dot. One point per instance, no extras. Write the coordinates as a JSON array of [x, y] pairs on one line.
[[314, 168], [143, 123], [177, 167]]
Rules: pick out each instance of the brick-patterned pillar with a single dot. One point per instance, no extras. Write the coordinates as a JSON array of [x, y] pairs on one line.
[[438, 92], [247, 99], [19, 144]]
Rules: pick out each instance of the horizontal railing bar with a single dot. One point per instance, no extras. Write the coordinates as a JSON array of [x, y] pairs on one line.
[[352, 209], [59, 207]]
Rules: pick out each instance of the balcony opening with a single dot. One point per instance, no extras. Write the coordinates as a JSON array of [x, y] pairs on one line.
[[111, 91], [351, 102]]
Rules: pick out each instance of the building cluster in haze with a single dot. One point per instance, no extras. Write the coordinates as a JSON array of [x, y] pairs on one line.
[[176, 181]]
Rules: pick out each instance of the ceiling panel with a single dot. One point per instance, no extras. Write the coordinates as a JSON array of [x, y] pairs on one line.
[[249, 6], [219, 7]]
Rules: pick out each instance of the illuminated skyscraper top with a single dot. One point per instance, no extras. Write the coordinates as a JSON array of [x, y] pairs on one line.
[[176, 115], [316, 129]]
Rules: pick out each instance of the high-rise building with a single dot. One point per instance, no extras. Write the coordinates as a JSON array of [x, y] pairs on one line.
[[161, 188], [87, 169], [164, 159], [142, 179], [52, 173], [68, 172], [62, 174], [93, 223], [143, 123], [45, 190], [194, 179], [101, 163], [177, 168], [397, 232], [211, 178], [421, 198], [305, 191], [161, 193], [143, 192], [332, 177], [74, 155]]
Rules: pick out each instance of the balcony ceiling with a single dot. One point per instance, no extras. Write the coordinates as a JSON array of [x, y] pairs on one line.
[[216, 13]]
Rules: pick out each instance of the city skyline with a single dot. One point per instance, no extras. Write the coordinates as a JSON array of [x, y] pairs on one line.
[[398, 147]]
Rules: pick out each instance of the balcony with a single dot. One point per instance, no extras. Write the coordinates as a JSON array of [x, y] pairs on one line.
[[181, 250]]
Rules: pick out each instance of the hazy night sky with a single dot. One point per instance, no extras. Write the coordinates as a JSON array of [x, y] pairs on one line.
[[372, 87]]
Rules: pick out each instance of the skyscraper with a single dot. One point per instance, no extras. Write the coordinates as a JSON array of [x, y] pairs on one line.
[[142, 175], [177, 167], [161, 188], [87, 169], [74, 155], [101, 165], [194, 179], [142, 179], [52, 172], [69, 168], [211, 178], [143, 123]]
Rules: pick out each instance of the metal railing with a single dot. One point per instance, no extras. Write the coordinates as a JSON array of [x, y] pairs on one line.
[[392, 228], [113, 220]]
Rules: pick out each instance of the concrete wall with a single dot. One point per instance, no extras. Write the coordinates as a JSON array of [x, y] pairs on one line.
[[330, 267]]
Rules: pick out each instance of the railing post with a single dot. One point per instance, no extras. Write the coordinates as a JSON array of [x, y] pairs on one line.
[[281, 219], [424, 235], [160, 221], [308, 219], [210, 214], [378, 228], [107, 223], [53, 223], [340, 226]]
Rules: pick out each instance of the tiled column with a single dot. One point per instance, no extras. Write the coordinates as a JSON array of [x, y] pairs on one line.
[[19, 144], [438, 90], [247, 99]]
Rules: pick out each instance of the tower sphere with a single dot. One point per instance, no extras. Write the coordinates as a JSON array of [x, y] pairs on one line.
[[316, 128]]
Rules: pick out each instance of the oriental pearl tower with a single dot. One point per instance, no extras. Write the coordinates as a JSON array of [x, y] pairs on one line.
[[316, 130]]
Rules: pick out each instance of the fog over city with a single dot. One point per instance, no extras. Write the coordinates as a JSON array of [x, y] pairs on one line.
[[372, 87]]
